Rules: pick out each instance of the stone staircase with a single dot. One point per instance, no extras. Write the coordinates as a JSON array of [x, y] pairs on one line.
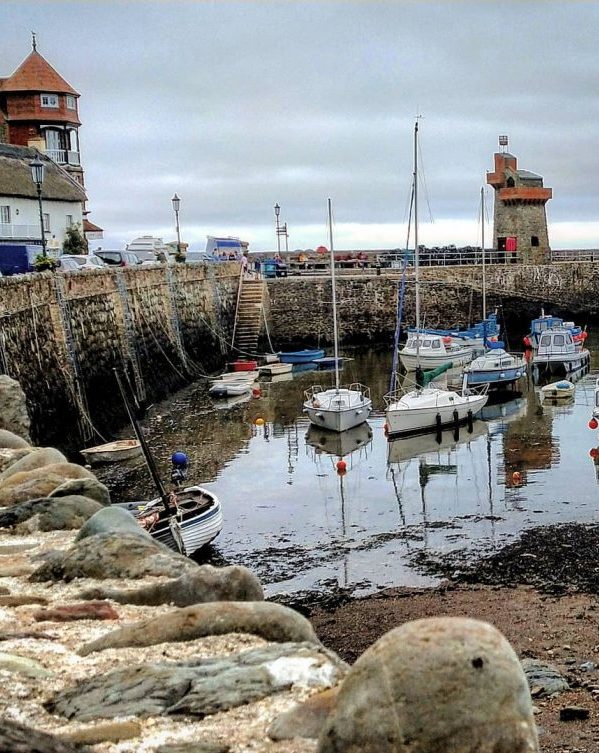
[[248, 317]]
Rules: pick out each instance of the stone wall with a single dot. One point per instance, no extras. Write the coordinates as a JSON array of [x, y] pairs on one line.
[[160, 326]]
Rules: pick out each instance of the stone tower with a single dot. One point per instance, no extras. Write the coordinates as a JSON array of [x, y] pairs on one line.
[[519, 217]]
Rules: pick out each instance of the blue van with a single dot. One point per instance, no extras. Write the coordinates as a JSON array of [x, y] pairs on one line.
[[18, 258]]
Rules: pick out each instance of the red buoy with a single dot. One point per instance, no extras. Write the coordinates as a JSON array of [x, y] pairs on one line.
[[593, 423], [256, 392], [341, 466], [594, 452], [516, 477]]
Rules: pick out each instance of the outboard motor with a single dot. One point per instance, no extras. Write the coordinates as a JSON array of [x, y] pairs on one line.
[[180, 463]]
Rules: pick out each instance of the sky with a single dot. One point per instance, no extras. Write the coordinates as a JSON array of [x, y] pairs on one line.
[[238, 106]]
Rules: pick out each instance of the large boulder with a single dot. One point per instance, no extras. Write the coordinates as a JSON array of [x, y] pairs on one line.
[[37, 458], [39, 482], [13, 408], [86, 487], [11, 441], [19, 738], [113, 555], [112, 520], [199, 687], [207, 583], [273, 622], [50, 513], [440, 684], [9, 456]]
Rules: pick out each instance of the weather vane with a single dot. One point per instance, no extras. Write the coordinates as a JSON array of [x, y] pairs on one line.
[[33, 42]]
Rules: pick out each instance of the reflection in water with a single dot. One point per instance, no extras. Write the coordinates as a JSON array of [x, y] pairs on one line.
[[297, 523]]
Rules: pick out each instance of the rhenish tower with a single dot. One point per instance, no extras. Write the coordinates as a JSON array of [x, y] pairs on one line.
[[519, 217]]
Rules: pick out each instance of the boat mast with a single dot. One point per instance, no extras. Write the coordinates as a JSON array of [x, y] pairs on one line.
[[416, 264], [482, 222], [335, 333]]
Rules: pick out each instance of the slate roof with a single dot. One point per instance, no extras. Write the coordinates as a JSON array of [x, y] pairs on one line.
[[16, 180], [36, 74]]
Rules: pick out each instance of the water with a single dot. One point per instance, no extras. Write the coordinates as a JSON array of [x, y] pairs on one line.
[[298, 524]]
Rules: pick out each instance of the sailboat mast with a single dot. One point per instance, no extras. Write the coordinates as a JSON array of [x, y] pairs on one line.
[[334, 292], [482, 222], [416, 264]]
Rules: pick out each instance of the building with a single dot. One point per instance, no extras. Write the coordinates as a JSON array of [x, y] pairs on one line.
[[63, 199], [519, 217], [39, 109]]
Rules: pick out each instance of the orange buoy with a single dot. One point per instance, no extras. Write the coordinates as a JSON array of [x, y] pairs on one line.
[[259, 422], [516, 477], [256, 392], [341, 466], [386, 428]]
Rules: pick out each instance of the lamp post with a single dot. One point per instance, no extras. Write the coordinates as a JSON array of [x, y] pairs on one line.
[[277, 213], [37, 173], [176, 204]]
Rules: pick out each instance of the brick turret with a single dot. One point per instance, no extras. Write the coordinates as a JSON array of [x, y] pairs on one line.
[[519, 218]]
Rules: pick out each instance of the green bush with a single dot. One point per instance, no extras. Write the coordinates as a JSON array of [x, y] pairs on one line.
[[74, 242]]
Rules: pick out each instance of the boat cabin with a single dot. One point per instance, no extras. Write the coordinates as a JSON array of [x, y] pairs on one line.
[[433, 343], [556, 342]]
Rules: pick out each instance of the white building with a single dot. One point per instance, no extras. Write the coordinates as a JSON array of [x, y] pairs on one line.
[[62, 199]]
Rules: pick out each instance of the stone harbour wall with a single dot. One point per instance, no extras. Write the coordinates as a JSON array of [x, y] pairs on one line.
[[61, 337]]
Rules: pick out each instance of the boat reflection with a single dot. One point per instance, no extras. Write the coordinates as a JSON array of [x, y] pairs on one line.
[[339, 443], [406, 448]]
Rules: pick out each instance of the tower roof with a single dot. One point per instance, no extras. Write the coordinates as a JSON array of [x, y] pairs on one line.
[[36, 74]]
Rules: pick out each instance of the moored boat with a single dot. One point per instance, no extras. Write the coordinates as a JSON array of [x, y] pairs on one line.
[[561, 390], [308, 355], [496, 368], [274, 369], [558, 353], [547, 321], [244, 365], [430, 351], [229, 388], [112, 452]]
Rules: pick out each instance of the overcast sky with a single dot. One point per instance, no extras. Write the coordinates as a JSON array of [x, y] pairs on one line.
[[239, 105]]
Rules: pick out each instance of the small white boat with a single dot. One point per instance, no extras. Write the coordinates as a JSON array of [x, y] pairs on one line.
[[236, 376], [558, 390], [338, 408], [274, 369], [230, 388], [430, 351], [495, 368], [558, 353], [112, 452]]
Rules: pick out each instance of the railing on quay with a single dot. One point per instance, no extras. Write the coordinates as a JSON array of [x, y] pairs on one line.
[[10, 230]]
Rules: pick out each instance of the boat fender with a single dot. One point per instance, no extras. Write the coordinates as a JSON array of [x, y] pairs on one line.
[[470, 426], [456, 419], [438, 422]]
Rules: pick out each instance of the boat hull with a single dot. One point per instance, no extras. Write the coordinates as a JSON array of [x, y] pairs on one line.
[[338, 410], [495, 378], [112, 452], [229, 389], [244, 365], [410, 361], [274, 369], [561, 363], [301, 356], [419, 420]]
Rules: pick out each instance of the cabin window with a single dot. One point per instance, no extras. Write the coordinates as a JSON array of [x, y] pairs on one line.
[[49, 100], [436, 344], [71, 105], [534, 240], [558, 339], [545, 340], [426, 344], [5, 215]]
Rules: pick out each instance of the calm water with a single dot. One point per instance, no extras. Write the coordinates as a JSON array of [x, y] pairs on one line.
[[298, 524]]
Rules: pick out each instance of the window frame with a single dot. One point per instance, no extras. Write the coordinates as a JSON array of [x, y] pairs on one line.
[[71, 102], [52, 102], [46, 218], [5, 214]]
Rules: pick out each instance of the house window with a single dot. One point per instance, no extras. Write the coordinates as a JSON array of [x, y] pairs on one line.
[[534, 241], [69, 220], [46, 222], [5, 215], [49, 100], [71, 105]]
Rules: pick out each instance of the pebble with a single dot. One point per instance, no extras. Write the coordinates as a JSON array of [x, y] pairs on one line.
[[573, 713], [103, 732]]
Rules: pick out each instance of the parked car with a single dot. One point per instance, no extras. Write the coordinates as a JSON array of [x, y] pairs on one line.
[[67, 264], [118, 258], [83, 261], [19, 258]]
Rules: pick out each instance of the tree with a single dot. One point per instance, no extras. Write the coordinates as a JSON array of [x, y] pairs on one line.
[[74, 242]]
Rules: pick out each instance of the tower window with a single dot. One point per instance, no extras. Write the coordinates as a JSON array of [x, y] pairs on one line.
[[534, 240], [71, 104], [49, 100], [510, 183]]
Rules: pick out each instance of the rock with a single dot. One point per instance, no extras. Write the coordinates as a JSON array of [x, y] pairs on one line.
[[112, 520], [197, 746], [18, 738], [103, 732], [39, 482], [199, 687], [66, 470], [86, 487], [4, 591], [13, 408], [20, 665], [12, 441], [24, 546], [9, 457], [113, 555], [307, 719], [439, 684], [573, 713], [13, 568], [544, 679], [90, 610], [37, 458], [272, 622], [50, 513], [587, 666], [207, 583], [21, 599]]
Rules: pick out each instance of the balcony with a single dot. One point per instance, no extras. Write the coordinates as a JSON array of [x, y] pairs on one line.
[[64, 156], [20, 232]]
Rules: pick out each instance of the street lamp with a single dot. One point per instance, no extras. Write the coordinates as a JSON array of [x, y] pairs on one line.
[[176, 204], [37, 173], [277, 213]]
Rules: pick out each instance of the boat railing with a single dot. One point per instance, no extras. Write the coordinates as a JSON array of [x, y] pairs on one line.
[[354, 387]]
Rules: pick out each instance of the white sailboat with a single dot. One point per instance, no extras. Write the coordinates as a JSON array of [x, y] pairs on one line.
[[427, 408], [338, 408]]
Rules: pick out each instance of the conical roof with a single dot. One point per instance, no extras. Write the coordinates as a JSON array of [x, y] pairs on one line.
[[36, 74]]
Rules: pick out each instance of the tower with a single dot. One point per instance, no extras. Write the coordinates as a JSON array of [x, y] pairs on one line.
[[38, 108], [519, 217]]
